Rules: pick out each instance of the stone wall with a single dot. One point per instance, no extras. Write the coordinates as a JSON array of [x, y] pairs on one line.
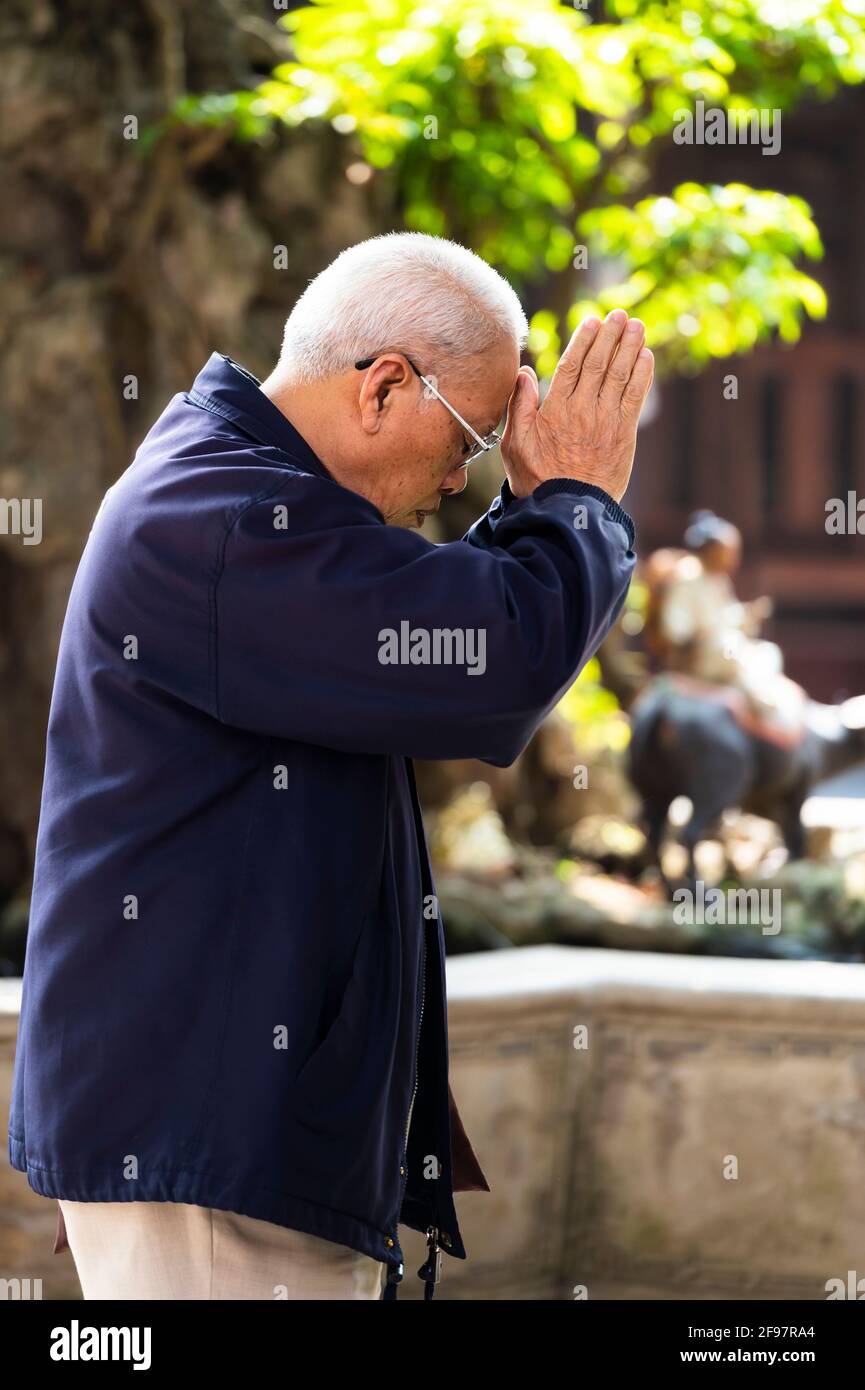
[[607, 1164], [611, 1166]]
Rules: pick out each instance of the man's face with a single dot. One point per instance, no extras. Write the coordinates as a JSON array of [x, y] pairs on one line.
[[415, 450]]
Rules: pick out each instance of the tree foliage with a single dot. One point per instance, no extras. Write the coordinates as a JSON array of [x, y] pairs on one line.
[[528, 130]]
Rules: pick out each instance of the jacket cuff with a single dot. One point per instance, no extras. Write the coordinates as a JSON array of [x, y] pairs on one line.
[[574, 485]]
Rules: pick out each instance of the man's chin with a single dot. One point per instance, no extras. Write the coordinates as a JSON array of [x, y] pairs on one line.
[[412, 521]]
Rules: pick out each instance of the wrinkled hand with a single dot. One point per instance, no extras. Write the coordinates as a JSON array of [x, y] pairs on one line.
[[586, 427]]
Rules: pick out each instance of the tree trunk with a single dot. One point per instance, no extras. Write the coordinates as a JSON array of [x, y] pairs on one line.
[[123, 264]]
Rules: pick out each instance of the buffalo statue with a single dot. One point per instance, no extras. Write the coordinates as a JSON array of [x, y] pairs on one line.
[[700, 741]]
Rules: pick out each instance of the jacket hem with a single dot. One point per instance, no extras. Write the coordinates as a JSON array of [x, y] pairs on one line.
[[204, 1189]]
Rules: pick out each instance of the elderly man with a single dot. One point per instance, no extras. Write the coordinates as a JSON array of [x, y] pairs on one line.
[[232, 1069]]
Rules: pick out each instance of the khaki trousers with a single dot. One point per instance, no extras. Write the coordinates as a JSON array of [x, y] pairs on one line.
[[174, 1250]]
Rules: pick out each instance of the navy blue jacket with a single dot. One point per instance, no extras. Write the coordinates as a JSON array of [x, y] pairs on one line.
[[234, 982]]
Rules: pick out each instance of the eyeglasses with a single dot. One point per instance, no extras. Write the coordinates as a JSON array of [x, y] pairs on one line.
[[484, 444]]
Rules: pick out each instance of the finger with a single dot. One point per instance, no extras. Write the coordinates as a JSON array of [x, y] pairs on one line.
[[569, 366], [641, 379], [622, 365], [600, 354], [522, 407]]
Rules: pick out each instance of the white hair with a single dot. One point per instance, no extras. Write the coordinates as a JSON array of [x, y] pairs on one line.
[[405, 292]]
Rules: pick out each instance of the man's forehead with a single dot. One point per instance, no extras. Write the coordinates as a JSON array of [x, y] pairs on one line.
[[499, 403], [486, 420], [491, 389]]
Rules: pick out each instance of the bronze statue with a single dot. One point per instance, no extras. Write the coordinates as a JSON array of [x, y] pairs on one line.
[[720, 723], [698, 626]]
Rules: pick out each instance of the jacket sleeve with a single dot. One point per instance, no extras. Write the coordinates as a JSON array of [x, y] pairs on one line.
[[335, 629]]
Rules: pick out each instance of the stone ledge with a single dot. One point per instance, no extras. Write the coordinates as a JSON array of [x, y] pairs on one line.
[[606, 1163]]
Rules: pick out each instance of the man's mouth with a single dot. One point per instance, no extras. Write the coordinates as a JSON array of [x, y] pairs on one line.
[[422, 516]]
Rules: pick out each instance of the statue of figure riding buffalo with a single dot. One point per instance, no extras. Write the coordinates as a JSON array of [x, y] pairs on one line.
[[721, 724]]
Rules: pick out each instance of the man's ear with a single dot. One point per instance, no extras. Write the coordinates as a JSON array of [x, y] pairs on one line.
[[377, 390]]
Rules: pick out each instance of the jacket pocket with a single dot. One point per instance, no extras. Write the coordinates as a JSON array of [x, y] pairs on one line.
[[335, 1013], [344, 1019], [340, 1083]]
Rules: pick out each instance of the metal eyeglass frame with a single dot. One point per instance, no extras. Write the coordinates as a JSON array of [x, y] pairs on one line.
[[484, 444]]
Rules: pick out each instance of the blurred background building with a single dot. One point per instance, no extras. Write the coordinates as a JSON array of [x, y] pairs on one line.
[[796, 434]]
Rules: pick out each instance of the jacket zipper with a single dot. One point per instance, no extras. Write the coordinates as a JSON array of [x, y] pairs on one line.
[[419, 832], [417, 1049], [395, 1272], [431, 1271]]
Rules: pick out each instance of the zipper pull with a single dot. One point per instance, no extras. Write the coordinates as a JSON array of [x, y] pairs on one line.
[[431, 1271], [394, 1277]]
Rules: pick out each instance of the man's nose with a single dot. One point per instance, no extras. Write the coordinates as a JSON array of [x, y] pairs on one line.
[[455, 481]]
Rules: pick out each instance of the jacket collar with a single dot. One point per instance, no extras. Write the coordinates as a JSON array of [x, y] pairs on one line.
[[227, 389]]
